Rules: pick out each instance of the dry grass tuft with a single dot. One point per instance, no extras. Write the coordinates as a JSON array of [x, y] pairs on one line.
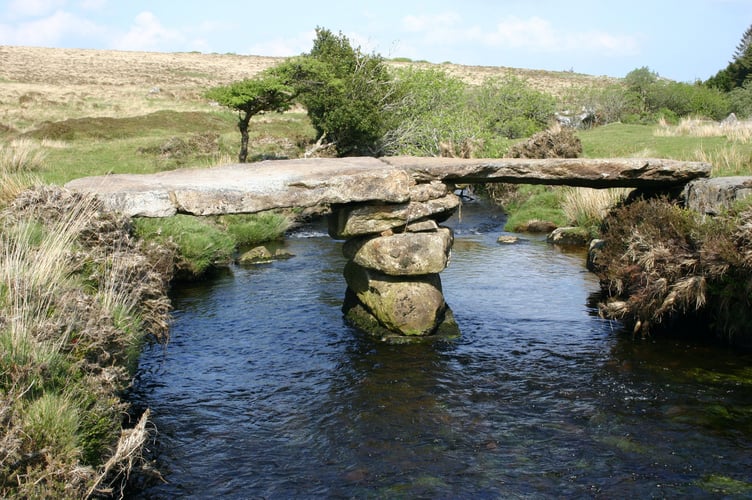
[[736, 131], [21, 155], [586, 207], [728, 161], [126, 456]]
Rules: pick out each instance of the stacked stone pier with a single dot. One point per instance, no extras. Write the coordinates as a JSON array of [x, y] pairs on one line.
[[395, 253]]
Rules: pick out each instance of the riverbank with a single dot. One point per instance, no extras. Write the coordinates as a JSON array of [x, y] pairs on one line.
[[79, 296]]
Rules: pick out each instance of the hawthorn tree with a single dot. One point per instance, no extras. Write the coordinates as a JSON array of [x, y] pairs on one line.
[[270, 91], [347, 94]]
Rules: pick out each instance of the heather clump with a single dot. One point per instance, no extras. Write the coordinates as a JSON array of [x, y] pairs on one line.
[[78, 296], [664, 266]]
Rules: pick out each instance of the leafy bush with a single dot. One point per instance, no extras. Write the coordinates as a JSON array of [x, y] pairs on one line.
[[610, 103], [510, 108], [683, 99], [740, 100], [345, 92], [429, 110]]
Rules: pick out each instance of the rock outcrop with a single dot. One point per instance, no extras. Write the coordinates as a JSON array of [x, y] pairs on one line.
[[713, 196]]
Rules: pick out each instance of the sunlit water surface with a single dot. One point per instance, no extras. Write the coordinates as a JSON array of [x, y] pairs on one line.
[[264, 391]]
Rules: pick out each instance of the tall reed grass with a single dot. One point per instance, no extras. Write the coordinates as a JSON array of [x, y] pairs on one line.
[[586, 207]]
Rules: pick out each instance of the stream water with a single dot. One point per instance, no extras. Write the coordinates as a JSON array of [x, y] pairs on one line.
[[265, 392]]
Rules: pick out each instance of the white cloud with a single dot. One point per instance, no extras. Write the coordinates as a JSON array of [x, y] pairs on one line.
[[148, 33], [284, 47], [532, 34], [33, 8], [49, 31], [539, 34]]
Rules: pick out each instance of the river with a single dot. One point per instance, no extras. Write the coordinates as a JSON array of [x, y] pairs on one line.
[[265, 392]]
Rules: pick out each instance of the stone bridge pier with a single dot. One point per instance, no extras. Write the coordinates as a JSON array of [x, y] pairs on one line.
[[395, 253]]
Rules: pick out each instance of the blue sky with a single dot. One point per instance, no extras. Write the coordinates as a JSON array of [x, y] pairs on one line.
[[683, 40]]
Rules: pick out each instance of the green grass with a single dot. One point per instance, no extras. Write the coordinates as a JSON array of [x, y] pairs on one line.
[[162, 141], [253, 229], [204, 243], [535, 203], [201, 244], [620, 140]]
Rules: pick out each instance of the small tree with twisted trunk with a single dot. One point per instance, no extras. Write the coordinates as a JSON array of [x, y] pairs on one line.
[[269, 91]]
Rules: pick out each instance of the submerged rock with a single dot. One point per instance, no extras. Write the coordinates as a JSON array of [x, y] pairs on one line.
[[569, 236], [262, 255], [404, 305], [507, 239]]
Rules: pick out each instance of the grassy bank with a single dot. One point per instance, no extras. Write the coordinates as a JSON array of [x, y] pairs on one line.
[[78, 296]]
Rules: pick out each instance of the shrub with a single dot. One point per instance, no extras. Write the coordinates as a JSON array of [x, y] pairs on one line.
[[430, 109], [610, 103], [556, 142], [346, 93], [740, 100], [510, 108], [662, 266], [683, 99]]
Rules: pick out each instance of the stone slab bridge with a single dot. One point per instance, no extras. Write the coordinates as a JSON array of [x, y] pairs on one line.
[[388, 210]]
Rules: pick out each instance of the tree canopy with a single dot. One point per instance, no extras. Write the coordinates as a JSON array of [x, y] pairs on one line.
[[739, 70], [346, 93], [270, 91]]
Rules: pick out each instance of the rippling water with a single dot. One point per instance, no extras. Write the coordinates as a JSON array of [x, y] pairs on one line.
[[264, 391]]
